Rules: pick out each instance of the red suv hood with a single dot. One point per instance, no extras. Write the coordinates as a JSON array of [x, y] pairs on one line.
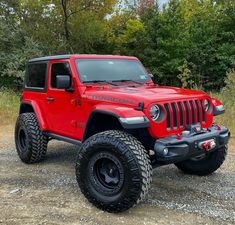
[[147, 94]]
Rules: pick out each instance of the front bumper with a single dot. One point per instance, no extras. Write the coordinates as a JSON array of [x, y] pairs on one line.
[[188, 144]]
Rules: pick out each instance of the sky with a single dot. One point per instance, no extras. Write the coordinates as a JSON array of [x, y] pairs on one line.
[[162, 1]]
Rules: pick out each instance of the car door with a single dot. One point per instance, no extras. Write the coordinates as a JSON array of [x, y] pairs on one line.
[[61, 107]]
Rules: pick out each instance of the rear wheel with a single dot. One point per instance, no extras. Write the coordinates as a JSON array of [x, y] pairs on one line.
[[31, 144], [113, 171], [205, 164]]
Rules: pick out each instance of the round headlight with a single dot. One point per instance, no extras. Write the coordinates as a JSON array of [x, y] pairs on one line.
[[155, 112], [206, 105]]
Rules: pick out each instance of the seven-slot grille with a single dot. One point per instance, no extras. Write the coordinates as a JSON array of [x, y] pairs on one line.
[[182, 113]]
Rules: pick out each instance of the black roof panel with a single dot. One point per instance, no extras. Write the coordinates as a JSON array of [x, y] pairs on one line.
[[46, 58]]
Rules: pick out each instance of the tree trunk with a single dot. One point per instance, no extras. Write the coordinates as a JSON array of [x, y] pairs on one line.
[[64, 4]]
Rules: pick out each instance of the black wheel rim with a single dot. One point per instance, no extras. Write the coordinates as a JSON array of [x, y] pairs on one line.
[[22, 139], [107, 172]]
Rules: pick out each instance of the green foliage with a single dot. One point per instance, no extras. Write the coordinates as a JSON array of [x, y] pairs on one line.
[[227, 97], [187, 43], [128, 42], [229, 89], [16, 49], [185, 76], [200, 33]]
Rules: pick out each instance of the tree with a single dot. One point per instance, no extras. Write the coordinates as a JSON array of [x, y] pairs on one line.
[[15, 49], [145, 4], [74, 7], [187, 40], [200, 33]]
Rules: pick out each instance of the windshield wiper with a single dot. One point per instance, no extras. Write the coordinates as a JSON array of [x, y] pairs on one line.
[[100, 81], [123, 80]]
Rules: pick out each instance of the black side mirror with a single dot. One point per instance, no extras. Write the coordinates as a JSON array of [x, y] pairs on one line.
[[63, 82]]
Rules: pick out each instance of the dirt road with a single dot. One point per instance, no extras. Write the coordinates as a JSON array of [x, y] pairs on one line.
[[47, 193]]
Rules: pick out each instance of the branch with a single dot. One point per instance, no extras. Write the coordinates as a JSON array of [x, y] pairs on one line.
[[83, 8]]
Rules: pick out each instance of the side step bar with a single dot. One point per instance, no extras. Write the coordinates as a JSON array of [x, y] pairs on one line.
[[62, 138]]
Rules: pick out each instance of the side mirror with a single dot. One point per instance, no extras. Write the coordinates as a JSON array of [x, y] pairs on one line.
[[63, 82], [151, 75]]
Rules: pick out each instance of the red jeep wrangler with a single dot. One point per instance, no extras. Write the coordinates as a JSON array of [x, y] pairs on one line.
[[124, 123]]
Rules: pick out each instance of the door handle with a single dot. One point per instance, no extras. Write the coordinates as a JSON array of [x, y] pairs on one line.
[[49, 99]]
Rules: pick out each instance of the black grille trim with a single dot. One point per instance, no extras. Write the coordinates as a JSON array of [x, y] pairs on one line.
[[175, 116], [203, 111], [168, 116], [183, 113], [187, 112], [192, 112]]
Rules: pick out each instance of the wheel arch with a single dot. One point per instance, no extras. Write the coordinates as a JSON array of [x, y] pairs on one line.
[[32, 107], [26, 107], [99, 121]]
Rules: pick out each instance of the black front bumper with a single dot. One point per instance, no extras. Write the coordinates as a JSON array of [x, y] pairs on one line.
[[187, 145]]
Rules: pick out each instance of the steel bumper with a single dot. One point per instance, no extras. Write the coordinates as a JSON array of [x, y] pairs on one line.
[[191, 143]]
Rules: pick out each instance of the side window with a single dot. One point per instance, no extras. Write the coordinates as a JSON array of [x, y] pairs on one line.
[[36, 75], [59, 69]]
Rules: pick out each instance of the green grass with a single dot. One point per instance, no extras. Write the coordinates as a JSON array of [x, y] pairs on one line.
[[227, 97], [227, 119], [9, 107]]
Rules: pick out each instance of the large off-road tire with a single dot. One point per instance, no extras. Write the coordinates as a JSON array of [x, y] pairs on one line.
[[206, 165], [113, 171], [31, 144]]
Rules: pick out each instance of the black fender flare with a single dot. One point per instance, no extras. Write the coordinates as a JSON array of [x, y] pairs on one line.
[[125, 124]]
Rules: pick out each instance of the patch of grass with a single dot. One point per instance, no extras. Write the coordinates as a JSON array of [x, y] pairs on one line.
[[9, 107], [227, 97], [228, 118]]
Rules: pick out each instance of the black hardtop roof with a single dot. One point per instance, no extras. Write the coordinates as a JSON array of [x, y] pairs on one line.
[[68, 56], [46, 58]]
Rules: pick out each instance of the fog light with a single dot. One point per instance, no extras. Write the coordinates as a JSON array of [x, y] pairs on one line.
[[165, 151]]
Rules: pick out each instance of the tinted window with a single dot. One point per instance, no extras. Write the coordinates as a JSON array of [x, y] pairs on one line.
[[111, 70], [36, 75], [59, 69]]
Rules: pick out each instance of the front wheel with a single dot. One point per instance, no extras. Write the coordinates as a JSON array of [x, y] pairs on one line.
[[113, 171], [204, 164]]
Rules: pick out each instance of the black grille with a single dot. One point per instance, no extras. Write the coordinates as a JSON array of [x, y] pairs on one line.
[[175, 116], [183, 113], [168, 117]]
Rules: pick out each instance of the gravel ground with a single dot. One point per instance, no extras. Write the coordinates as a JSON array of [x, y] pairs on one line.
[[47, 193]]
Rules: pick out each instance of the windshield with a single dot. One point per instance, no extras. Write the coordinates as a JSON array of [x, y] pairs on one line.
[[111, 70]]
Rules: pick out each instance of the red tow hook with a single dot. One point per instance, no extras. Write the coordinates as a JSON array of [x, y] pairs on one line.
[[207, 145], [178, 136], [218, 127]]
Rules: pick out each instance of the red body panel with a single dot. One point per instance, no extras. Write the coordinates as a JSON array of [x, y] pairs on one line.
[[216, 102], [69, 112], [37, 100]]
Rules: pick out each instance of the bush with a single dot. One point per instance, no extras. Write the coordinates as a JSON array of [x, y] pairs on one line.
[[227, 97], [229, 90], [14, 54]]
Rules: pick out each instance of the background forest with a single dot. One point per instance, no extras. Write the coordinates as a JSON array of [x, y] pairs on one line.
[[188, 43]]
